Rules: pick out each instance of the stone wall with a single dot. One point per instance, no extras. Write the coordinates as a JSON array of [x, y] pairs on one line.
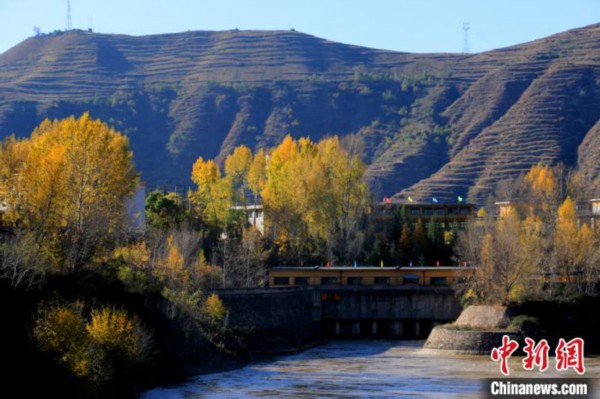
[[477, 330], [466, 341], [277, 320]]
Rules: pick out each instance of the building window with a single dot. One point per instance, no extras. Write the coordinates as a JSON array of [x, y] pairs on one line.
[[354, 280], [301, 281], [440, 211], [411, 279], [382, 280], [427, 211], [281, 281], [465, 211], [439, 281], [414, 212], [328, 280]]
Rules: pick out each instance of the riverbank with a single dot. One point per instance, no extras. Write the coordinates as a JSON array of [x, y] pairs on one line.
[[481, 328], [259, 325]]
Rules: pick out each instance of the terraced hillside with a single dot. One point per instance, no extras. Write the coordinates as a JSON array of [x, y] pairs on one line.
[[432, 124]]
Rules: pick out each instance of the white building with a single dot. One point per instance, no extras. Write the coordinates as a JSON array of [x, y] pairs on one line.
[[255, 215]]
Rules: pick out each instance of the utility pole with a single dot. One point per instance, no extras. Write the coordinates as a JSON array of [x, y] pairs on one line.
[[68, 27], [466, 27]]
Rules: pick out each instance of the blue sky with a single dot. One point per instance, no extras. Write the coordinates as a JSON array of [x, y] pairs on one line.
[[403, 25]]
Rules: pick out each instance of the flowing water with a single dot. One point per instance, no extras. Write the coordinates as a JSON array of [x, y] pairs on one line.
[[358, 369]]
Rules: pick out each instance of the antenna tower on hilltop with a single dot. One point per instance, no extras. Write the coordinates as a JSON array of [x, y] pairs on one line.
[[466, 27], [68, 27]]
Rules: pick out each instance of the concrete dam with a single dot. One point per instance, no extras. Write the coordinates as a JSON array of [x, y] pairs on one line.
[[292, 318]]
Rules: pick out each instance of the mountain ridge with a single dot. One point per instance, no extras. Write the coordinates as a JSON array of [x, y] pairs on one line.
[[438, 125]]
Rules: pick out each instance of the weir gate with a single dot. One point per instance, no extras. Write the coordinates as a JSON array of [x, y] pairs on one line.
[[300, 314], [386, 312]]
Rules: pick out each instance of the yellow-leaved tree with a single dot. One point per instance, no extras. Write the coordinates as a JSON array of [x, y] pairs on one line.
[[575, 247], [313, 195], [213, 197], [542, 181], [315, 198], [257, 173], [68, 185], [540, 247], [13, 156], [237, 166]]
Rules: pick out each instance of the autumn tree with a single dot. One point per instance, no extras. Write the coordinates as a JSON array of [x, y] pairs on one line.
[[538, 248], [13, 157], [313, 195], [214, 309], [173, 259], [237, 167], [314, 199], [213, 198], [541, 182], [575, 248], [351, 200], [257, 173], [68, 185], [507, 265], [503, 252]]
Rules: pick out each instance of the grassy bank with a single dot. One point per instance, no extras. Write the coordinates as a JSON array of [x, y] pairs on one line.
[[177, 345]]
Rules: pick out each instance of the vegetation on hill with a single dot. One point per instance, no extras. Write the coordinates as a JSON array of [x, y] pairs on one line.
[[433, 124]]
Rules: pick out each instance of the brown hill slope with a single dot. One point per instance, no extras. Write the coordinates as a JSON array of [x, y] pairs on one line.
[[433, 124]]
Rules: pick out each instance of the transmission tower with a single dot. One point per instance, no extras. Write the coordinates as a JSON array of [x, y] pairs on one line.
[[68, 27], [466, 27]]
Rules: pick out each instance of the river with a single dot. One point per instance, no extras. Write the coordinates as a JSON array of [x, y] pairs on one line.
[[358, 369]]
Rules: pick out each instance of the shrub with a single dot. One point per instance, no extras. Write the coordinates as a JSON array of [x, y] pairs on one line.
[[214, 309], [61, 329], [97, 351], [133, 268], [522, 323], [114, 331]]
